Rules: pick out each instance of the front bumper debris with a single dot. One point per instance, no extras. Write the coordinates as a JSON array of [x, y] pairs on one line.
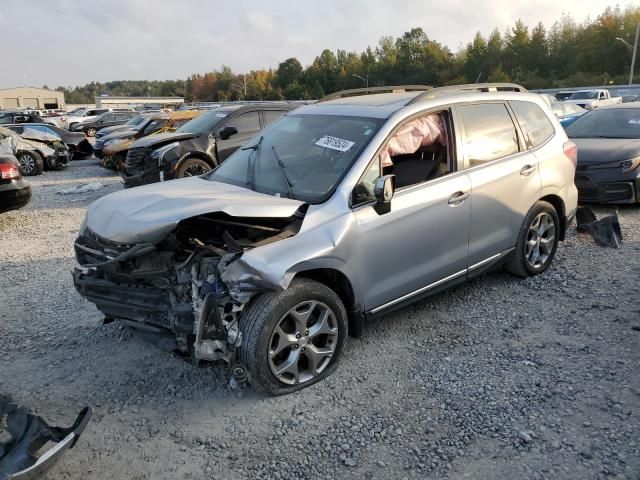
[[26, 434], [606, 232]]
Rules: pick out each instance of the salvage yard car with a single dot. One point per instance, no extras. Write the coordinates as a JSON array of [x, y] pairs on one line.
[[48, 152], [608, 141], [112, 150], [341, 211], [199, 145], [14, 191], [109, 119], [591, 99], [77, 144]]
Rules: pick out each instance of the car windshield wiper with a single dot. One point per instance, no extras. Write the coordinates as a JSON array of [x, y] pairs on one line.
[[253, 157], [284, 171]]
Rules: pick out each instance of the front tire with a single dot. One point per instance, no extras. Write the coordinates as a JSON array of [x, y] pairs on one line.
[[90, 132], [193, 167], [537, 241], [293, 338], [31, 163]]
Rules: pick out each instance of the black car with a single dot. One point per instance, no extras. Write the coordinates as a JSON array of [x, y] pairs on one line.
[[7, 118], [108, 119], [77, 143], [199, 145], [131, 123], [608, 141], [14, 191]]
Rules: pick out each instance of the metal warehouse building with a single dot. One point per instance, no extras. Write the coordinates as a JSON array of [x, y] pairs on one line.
[[30, 97]]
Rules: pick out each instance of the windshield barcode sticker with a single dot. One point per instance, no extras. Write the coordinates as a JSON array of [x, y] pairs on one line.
[[335, 143]]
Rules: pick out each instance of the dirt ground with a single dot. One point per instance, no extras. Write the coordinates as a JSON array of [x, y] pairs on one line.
[[499, 378]]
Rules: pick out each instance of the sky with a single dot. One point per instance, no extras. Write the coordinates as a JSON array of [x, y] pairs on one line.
[[73, 42]]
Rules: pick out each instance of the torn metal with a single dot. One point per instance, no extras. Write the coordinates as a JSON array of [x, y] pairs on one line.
[[23, 435], [606, 232], [187, 276]]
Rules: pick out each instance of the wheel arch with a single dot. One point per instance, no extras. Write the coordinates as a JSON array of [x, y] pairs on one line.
[[196, 154], [559, 206], [339, 282]]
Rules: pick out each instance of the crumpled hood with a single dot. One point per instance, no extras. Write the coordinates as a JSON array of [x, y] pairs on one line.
[[150, 213], [604, 150], [152, 140]]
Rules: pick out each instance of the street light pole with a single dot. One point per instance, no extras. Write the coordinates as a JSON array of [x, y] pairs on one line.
[[633, 57]]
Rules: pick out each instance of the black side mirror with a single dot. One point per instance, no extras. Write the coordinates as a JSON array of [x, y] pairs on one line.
[[383, 190], [227, 132]]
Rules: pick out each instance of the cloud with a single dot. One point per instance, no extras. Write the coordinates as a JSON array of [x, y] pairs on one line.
[[85, 40]]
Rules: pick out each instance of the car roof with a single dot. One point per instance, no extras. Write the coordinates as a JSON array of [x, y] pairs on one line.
[[384, 105]]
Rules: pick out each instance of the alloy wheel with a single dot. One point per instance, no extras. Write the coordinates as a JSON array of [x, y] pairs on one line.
[[195, 171], [303, 342], [540, 240], [27, 163]]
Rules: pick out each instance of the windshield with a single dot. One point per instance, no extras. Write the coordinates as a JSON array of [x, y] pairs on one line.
[[588, 95], [206, 122], [135, 120], [609, 123], [300, 156]]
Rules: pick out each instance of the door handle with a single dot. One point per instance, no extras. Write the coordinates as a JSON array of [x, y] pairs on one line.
[[457, 198], [527, 170]]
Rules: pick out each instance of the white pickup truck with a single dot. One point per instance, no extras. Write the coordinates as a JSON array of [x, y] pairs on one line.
[[591, 99]]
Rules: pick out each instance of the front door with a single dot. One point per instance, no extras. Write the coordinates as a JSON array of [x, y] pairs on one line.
[[248, 124], [420, 243]]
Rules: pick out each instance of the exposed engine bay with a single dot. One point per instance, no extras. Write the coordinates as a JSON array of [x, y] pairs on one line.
[[182, 284]]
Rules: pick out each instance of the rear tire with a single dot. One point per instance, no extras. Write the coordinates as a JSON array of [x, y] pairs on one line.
[[31, 163], [300, 332], [537, 241], [90, 132], [193, 167]]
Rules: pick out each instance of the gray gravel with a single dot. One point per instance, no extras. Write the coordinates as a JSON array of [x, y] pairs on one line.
[[499, 378]]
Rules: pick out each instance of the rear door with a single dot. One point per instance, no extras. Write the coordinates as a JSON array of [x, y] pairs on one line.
[[505, 179], [247, 123]]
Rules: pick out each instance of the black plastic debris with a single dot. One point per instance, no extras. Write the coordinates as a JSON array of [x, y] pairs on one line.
[[23, 434], [605, 232]]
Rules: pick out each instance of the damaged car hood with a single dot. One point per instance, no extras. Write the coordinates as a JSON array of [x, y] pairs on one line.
[[151, 140], [604, 150], [148, 214]]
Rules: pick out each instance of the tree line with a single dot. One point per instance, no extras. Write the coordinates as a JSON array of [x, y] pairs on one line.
[[566, 54]]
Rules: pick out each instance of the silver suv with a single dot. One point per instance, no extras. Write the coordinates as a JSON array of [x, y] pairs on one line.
[[340, 211]]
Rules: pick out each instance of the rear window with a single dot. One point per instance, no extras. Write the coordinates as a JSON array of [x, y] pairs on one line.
[[534, 123], [489, 132]]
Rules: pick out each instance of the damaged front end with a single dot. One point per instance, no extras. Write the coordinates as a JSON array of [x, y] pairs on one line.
[[187, 284]]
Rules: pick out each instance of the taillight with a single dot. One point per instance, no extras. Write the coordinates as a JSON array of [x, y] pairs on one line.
[[9, 172], [571, 151]]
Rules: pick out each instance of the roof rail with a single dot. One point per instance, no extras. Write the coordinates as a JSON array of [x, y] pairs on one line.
[[479, 87], [368, 90]]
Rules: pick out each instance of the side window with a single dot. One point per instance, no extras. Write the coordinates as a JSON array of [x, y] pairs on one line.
[[489, 132], [5, 120], [247, 122], [21, 119], [418, 151], [534, 123], [89, 113], [271, 116], [363, 191]]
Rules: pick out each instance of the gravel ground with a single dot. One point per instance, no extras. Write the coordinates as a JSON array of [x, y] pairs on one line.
[[499, 378]]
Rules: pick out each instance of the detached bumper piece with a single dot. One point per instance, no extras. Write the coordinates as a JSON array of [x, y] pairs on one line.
[[26, 434], [606, 232]]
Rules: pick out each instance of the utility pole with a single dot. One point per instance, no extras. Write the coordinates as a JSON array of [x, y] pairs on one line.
[[633, 57]]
